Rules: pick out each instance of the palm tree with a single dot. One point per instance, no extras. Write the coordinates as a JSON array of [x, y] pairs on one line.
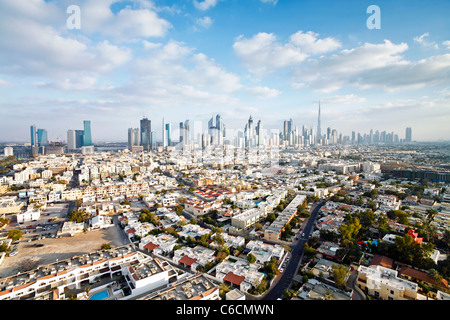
[[87, 290]]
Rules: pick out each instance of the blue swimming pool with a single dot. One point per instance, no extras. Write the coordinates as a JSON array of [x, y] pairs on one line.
[[100, 295]]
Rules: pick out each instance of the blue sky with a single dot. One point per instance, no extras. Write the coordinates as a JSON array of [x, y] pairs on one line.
[[190, 59]]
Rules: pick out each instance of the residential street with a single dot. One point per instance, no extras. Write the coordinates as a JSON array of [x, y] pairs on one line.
[[285, 280]]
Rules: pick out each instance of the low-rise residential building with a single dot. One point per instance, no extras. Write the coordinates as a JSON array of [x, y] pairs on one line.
[[8, 205], [239, 273], [193, 257], [58, 280], [385, 284], [199, 207], [247, 218], [161, 244], [317, 290], [196, 287], [273, 232], [193, 230], [29, 215], [264, 252]]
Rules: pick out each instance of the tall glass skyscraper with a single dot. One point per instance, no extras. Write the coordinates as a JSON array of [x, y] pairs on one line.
[[87, 138], [42, 137], [33, 135], [145, 134], [408, 135]]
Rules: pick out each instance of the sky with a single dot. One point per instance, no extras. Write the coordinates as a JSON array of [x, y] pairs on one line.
[[114, 62]]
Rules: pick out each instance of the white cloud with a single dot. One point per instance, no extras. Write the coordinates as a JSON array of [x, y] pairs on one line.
[[128, 23], [348, 99], [204, 22], [310, 43], [422, 40], [356, 67], [380, 66], [205, 4], [263, 54], [446, 43], [173, 74], [274, 2], [264, 92], [4, 83]]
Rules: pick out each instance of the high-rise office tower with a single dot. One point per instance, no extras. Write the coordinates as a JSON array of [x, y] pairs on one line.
[[42, 140], [164, 135], [168, 134], [79, 135], [216, 131], [287, 129], [71, 140], [87, 137], [259, 134], [184, 132], [408, 135], [33, 134], [152, 140], [187, 132], [133, 138], [145, 133], [250, 133], [181, 132]]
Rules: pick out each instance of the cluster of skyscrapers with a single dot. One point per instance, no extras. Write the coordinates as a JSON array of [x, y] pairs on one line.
[[140, 139], [76, 140], [144, 139], [292, 136]]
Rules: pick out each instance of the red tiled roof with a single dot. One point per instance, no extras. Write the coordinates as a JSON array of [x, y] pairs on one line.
[[187, 261], [234, 279], [420, 275], [382, 261], [151, 246]]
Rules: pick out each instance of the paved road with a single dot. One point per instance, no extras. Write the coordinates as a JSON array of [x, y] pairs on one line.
[[285, 280]]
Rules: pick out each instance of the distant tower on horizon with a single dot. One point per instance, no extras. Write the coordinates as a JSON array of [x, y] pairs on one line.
[[319, 133], [87, 137], [408, 135], [145, 133]]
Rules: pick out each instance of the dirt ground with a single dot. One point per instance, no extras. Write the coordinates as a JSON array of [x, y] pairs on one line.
[[30, 257]]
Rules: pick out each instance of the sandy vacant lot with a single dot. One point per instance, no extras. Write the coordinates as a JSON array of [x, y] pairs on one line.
[[29, 257]]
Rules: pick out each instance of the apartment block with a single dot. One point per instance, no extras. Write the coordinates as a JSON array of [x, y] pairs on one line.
[[70, 277], [385, 284]]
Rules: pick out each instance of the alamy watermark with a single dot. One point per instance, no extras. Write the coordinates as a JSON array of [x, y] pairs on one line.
[[74, 20], [374, 21]]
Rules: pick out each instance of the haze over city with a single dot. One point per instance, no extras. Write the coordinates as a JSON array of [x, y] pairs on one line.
[[181, 60]]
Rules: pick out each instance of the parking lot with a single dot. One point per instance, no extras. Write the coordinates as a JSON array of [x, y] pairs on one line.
[[39, 244]]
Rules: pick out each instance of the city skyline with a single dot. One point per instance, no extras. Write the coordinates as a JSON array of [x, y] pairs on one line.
[[215, 131], [180, 60]]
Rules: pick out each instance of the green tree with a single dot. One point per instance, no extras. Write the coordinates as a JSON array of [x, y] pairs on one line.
[[251, 258], [179, 209], [339, 275], [349, 230], [15, 234]]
